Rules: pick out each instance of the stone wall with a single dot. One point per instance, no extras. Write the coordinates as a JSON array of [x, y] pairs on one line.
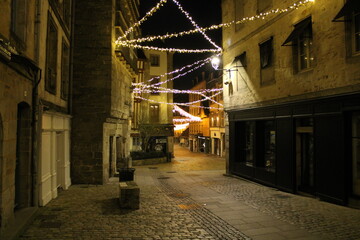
[[334, 72], [91, 88]]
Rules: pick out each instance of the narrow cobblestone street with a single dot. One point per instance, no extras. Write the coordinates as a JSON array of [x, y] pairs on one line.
[[190, 198]]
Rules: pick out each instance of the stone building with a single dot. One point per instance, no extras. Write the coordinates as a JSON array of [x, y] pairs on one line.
[[34, 111], [217, 116], [152, 127], [199, 132], [294, 104], [102, 104]]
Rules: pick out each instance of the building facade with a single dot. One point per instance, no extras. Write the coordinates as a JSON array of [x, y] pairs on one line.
[[217, 116], [102, 103], [152, 128], [35, 42], [199, 132], [293, 105], [55, 27]]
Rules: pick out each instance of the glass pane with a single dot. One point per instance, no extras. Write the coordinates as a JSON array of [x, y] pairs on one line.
[[270, 143], [250, 142]]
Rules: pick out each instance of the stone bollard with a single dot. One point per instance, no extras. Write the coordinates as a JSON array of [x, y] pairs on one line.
[[129, 195]]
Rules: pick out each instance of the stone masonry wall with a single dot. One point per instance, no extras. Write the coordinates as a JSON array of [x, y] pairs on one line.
[[334, 72], [91, 88]]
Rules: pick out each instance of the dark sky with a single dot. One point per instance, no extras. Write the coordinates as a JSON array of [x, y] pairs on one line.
[[169, 19]]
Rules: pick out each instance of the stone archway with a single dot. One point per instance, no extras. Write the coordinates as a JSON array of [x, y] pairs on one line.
[[23, 168]]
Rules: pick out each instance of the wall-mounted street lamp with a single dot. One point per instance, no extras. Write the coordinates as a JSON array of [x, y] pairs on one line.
[[215, 63]]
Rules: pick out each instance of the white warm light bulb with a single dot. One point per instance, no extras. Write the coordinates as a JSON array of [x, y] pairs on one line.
[[215, 62]]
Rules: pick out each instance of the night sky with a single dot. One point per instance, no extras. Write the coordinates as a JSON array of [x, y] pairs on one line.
[[169, 19]]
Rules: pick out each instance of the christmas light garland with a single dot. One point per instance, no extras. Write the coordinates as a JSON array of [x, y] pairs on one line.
[[195, 24], [213, 27], [179, 127], [183, 113], [183, 104], [176, 91], [148, 14], [176, 71], [172, 50]]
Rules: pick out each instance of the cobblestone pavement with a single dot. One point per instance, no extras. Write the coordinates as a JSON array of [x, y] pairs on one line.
[[191, 199]]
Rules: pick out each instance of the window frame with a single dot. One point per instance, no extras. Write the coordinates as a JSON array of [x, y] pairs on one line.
[[65, 71], [355, 49], [267, 70], [152, 116], [17, 26], [308, 53], [154, 57], [51, 84]]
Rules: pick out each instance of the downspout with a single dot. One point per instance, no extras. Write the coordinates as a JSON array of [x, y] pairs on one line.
[[36, 136]]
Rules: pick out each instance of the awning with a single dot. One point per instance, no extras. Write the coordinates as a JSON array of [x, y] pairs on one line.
[[349, 7], [240, 58], [298, 30]]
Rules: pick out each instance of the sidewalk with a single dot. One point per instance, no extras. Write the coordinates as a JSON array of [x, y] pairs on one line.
[[191, 199]]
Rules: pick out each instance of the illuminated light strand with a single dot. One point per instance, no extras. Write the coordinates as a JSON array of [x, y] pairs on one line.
[[183, 113], [181, 104], [195, 24], [182, 120], [148, 14], [222, 25], [156, 8], [177, 76], [181, 126], [176, 70], [176, 91], [172, 50]]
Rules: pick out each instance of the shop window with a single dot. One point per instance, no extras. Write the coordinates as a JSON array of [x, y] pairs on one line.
[[250, 143], [154, 60], [18, 19], [266, 62], [51, 56], [65, 70], [269, 138]]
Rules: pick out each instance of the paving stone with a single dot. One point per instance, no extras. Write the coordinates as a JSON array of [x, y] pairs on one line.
[[235, 209]]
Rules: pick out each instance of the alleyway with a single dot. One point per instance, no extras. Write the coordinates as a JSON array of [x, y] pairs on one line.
[[190, 198]]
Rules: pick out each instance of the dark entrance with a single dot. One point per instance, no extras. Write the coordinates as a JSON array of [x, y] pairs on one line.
[[305, 167], [23, 171], [356, 154], [1, 165]]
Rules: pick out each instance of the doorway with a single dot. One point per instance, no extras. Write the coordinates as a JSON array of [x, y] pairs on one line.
[[1, 166], [23, 171], [305, 164], [356, 154], [60, 160]]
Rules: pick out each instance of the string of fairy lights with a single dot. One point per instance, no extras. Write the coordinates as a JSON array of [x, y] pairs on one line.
[[122, 41], [147, 87]]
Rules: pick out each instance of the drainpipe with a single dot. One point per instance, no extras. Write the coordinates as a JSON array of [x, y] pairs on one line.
[[35, 112]]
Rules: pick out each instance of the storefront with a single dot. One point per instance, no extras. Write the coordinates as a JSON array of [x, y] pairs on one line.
[[310, 146]]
